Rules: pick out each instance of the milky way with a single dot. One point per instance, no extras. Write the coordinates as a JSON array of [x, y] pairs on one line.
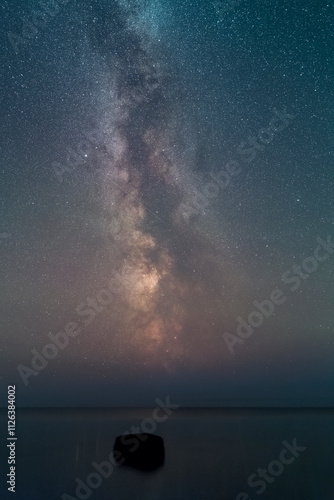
[[187, 152], [146, 193]]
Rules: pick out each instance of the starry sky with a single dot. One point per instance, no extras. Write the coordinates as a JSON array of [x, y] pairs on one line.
[[165, 165]]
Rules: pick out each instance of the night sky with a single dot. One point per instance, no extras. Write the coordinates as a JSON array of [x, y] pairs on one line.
[[164, 165]]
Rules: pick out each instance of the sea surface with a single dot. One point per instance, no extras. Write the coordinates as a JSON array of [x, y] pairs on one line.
[[210, 454]]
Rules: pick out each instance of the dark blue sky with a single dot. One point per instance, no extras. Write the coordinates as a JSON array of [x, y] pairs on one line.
[[166, 166]]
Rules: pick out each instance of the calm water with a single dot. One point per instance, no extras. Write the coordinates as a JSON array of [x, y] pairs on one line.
[[210, 454]]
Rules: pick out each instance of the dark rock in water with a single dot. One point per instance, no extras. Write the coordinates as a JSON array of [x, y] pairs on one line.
[[142, 451]]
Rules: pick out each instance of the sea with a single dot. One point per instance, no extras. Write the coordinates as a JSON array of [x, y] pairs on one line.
[[210, 454]]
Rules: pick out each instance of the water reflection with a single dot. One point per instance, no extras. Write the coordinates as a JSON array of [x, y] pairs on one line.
[[208, 454]]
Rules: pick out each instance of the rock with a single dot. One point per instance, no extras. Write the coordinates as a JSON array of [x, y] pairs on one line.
[[142, 451]]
